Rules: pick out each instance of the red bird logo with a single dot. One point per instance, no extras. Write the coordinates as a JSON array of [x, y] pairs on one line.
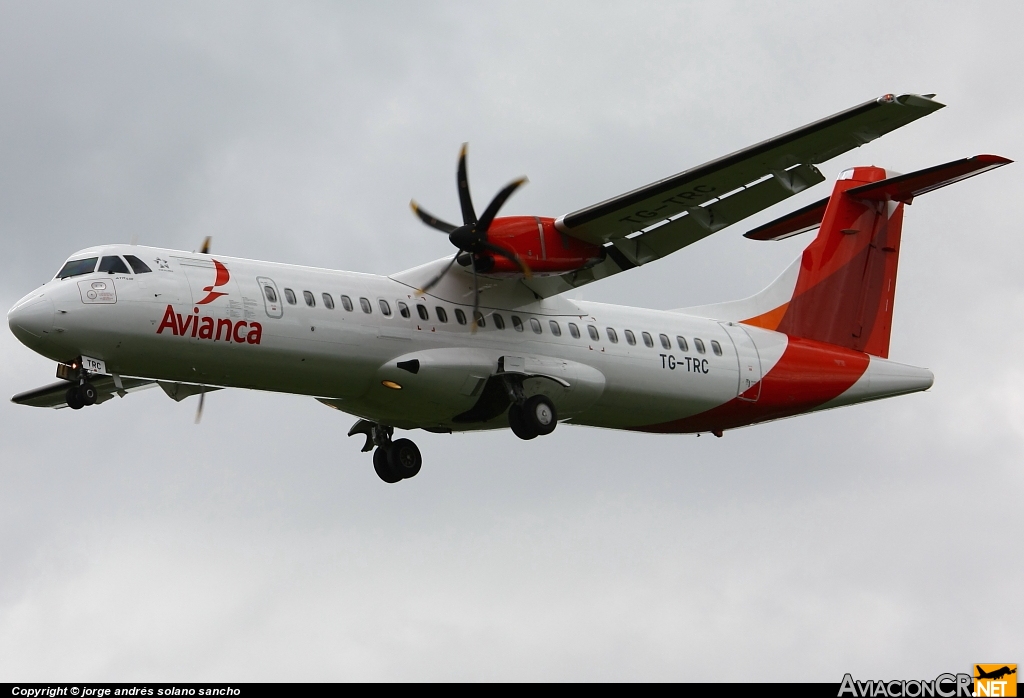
[[222, 278]]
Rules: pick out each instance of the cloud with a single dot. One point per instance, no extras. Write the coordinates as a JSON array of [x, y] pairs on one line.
[[260, 545]]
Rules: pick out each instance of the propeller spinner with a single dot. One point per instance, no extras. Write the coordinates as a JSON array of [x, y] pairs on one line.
[[471, 237]]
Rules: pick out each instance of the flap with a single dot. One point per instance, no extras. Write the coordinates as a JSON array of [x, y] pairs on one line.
[[905, 187], [799, 221]]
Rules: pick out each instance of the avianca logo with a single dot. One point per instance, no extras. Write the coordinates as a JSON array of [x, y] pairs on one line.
[[220, 329], [222, 278]]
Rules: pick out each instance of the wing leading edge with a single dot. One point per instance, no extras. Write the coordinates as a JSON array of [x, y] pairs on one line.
[[655, 220]]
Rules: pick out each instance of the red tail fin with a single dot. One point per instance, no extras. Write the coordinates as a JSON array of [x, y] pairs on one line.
[[846, 283]]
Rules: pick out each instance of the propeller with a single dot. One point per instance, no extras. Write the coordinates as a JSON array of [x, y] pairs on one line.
[[204, 249], [202, 399], [471, 237]]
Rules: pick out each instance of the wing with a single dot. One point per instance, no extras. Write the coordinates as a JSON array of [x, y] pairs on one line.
[[653, 221], [54, 395]]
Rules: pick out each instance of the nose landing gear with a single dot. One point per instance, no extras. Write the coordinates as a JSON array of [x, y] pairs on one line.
[[82, 395], [393, 461]]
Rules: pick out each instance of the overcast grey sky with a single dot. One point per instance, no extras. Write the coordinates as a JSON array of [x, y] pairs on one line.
[[881, 539]]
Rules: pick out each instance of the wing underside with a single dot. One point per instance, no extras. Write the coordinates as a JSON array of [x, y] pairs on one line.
[[656, 220]]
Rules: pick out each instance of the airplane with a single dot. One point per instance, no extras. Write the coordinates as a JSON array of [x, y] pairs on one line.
[[995, 674], [487, 338]]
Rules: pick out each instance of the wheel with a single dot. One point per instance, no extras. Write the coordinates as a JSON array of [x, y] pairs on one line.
[[540, 414], [74, 399], [88, 394], [521, 427], [383, 468], [404, 458]]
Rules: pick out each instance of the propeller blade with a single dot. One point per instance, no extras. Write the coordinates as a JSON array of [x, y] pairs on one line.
[[476, 297], [433, 282], [202, 399], [497, 202], [205, 248], [430, 220], [465, 201], [510, 255]]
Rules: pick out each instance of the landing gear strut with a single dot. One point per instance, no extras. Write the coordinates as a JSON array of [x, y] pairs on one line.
[[82, 395], [393, 461], [530, 417]]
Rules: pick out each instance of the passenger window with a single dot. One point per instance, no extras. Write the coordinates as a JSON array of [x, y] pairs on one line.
[[517, 324], [594, 334], [422, 310], [574, 331], [460, 317], [681, 341], [535, 324], [268, 291], [403, 310], [385, 307], [479, 317], [612, 336], [499, 321], [328, 301], [113, 265], [555, 329], [289, 295], [310, 300], [630, 337], [665, 343], [137, 265], [716, 347], [364, 303], [442, 314], [647, 338], [698, 345], [77, 267], [346, 303]]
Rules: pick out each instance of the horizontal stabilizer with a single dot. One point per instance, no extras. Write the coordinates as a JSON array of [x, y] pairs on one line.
[[905, 187], [799, 221], [53, 395]]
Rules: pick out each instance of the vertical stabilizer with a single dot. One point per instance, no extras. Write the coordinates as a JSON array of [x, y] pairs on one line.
[[842, 288]]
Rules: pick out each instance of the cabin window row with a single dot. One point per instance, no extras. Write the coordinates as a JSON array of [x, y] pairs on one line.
[[423, 313]]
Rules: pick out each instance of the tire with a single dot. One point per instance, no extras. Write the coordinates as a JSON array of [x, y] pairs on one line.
[[404, 458], [520, 426], [88, 394], [74, 399], [540, 414], [383, 468]]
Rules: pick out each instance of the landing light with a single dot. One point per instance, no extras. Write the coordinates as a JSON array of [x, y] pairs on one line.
[[391, 384]]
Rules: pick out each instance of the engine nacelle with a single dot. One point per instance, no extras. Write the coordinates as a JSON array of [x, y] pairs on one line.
[[547, 251]]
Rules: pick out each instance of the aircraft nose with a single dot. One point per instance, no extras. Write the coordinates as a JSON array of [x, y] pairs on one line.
[[31, 319]]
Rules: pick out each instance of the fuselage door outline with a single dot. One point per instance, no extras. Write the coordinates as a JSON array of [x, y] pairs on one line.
[[274, 309]]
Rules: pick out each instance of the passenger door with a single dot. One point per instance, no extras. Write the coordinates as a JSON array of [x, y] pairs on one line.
[[748, 360], [271, 297]]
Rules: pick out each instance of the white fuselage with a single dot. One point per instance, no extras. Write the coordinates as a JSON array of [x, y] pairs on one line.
[[139, 325]]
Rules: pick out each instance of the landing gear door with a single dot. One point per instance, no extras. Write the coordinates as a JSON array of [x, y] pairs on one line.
[[748, 360], [271, 296]]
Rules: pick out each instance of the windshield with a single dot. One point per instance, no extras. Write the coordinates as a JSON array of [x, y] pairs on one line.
[[77, 267]]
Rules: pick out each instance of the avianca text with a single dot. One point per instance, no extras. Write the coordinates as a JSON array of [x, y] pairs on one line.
[[219, 329]]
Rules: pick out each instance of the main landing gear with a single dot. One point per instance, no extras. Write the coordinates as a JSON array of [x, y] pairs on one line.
[[532, 417], [393, 461]]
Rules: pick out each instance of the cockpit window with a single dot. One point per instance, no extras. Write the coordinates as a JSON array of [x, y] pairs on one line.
[[113, 265], [77, 267], [137, 264]]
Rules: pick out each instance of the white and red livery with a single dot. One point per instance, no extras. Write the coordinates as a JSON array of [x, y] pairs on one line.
[[489, 340]]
